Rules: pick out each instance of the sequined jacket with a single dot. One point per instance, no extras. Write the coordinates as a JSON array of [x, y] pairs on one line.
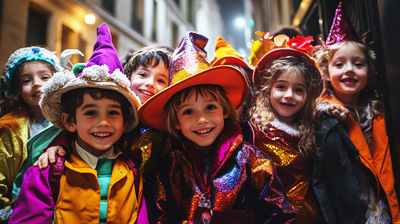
[[341, 153], [281, 142], [13, 152], [240, 177]]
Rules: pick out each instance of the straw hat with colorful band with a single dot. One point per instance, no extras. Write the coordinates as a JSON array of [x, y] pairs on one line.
[[103, 71], [280, 53], [25, 54], [226, 55], [341, 29], [188, 68]]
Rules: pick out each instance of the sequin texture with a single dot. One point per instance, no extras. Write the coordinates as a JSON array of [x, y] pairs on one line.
[[293, 169]]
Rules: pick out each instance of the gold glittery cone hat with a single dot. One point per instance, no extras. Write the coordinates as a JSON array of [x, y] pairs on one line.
[[341, 29], [189, 67], [226, 55]]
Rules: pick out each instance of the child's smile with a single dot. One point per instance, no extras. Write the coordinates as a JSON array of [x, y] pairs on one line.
[[288, 96], [348, 73], [147, 81], [201, 120], [99, 124]]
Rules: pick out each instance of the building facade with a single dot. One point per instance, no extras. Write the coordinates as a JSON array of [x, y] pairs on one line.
[[61, 25]]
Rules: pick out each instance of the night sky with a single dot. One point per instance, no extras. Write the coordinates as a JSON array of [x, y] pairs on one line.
[[235, 36]]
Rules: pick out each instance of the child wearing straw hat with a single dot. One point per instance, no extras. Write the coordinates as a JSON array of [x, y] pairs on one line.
[[209, 174], [99, 182]]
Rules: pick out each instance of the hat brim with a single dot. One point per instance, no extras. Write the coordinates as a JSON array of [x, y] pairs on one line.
[[231, 60], [274, 55], [51, 102], [229, 78]]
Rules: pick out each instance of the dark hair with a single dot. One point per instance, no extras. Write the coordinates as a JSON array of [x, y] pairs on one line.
[[206, 90], [290, 31], [14, 100], [147, 57], [73, 99]]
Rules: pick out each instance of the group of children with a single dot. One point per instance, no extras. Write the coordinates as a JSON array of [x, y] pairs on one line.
[[166, 139]]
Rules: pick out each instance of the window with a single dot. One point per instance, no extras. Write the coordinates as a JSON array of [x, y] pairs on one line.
[[109, 5], [137, 15], [82, 48], [192, 12], [154, 29], [70, 40], [37, 27], [175, 35], [178, 3]]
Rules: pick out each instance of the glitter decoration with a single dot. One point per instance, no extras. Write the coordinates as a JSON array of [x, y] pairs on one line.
[[293, 169], [341, 29], [239, 175]]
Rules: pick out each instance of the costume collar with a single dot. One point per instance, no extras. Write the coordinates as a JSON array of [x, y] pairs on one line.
[[228, 141], [91, 160], [289, 129]]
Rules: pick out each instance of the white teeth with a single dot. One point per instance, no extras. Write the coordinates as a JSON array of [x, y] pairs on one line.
[[145, 92], [204, 131], [102, 135]]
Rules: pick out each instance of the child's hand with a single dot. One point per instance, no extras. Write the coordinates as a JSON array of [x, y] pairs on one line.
[[338, 111], [49, 156]]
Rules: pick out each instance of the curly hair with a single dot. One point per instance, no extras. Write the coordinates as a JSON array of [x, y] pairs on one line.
[[207, 91], [369, 93], [262, 113]]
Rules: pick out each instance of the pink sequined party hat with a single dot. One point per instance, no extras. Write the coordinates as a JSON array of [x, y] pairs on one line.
[[341, 29]]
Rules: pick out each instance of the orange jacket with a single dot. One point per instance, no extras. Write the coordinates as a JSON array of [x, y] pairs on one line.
[[378, 160]]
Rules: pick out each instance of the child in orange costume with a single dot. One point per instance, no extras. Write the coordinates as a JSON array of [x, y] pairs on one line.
[[353, 174]]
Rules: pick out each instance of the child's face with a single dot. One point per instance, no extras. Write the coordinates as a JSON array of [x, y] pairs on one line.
[[201, 120], [147, 81], [33, 76], [348, 73], [288, 94], [99, 124]]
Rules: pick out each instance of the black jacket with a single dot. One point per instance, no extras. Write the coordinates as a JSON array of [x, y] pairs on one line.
[[336, 172]]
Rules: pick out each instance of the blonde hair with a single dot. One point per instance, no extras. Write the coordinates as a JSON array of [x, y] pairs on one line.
[[207, 90], [369, 93], [263, 112]]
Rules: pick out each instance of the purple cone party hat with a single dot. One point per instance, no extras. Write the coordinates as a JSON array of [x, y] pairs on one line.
[[341, 29], [189, 67], [103, 71], [226, 55]]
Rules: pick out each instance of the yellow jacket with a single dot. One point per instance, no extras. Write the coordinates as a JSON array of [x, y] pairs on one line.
[[79, 197]]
